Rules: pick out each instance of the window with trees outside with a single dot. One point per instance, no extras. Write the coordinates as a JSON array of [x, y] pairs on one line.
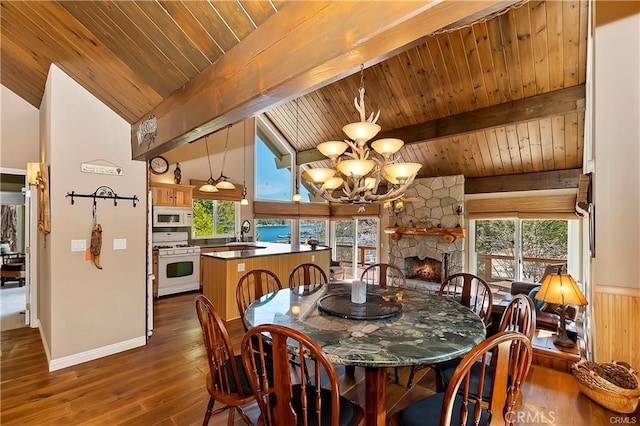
[[504, 250], [214, 218]]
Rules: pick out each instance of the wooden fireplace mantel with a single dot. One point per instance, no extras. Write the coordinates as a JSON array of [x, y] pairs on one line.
[[448, 234]]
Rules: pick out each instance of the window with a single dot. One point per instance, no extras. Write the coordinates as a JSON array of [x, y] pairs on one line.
[[520, 249], [273, 177], [214, 218], [315, 229], [273, 230]]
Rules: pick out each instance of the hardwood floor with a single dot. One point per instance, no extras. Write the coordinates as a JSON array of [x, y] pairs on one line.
[[164, 382]]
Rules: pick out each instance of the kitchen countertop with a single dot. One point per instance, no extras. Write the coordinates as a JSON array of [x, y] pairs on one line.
[[266, 249]]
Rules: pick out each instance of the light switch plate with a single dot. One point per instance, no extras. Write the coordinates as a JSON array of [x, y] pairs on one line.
[[78, 245], [119, 243]]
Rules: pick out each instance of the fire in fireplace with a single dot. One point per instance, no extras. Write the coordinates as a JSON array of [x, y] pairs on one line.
[[427, 269]]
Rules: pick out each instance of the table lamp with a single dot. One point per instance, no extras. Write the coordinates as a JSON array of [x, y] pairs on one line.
[[561, 289]]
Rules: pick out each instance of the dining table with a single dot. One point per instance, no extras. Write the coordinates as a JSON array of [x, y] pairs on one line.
[[393, 328]]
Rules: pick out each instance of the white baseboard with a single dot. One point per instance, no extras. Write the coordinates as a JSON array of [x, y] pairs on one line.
[[90, 355], [44, 343]]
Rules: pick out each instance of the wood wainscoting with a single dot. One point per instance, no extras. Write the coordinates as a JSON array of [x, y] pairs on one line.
[[616, 318]]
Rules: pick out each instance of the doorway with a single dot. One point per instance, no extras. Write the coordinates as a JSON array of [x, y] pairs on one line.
[[355, 244], [13, 242]]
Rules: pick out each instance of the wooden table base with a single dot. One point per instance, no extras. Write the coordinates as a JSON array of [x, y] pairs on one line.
[[375, 380]]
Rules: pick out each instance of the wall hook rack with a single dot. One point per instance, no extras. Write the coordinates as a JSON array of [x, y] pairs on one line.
[[104, 193]]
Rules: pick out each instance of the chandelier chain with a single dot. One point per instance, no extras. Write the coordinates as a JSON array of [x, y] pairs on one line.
[[206, 145], [224, 155]]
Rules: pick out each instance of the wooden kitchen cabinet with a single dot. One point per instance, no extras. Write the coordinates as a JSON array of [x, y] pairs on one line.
[[169, 194]]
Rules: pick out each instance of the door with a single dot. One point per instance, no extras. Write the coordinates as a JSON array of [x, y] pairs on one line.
[[355, 244], [150, 274]]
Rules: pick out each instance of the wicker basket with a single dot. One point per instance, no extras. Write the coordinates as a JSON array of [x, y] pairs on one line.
[[604, 392]]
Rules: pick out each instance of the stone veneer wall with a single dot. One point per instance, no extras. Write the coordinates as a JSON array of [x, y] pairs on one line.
[[437, 201]]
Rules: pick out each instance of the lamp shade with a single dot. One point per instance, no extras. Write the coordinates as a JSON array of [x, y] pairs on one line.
[[361, 131], [561, 289], [333, 183], [356, 167], [209, 186], [332, 149], [225, 184], [387, 146], [320, 175], [400, 172]]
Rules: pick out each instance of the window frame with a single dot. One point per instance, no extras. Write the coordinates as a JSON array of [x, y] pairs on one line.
[[236, 212]]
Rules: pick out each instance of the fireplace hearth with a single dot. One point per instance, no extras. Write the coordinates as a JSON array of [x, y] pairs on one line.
[[427, 269]]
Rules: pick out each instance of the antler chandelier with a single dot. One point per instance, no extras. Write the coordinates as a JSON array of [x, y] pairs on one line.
[[362, 176]]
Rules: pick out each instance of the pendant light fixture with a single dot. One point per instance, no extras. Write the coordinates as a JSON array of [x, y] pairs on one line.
[[367, 173], [296, 196], [244, 201], [223, 182], [210, 185]]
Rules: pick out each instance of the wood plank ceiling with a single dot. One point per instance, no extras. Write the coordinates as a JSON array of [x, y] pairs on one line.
[[502, 96]]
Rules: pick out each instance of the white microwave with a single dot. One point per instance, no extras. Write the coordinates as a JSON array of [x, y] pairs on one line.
[[172, 216]]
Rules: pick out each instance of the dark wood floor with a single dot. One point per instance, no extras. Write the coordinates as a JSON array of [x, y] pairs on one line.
[[163, 382]]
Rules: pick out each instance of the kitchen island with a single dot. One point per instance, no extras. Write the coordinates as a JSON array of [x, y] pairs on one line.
[[221, 270]]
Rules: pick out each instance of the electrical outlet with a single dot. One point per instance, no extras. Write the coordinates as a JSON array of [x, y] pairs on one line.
[[240, 267], [78, 245], [119, 243], [313, 257]]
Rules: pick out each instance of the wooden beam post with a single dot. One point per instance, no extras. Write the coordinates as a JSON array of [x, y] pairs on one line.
[[550, 104], [304, 46]]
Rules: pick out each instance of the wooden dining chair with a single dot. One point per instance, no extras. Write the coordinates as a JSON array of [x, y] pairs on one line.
[[468, 290], [252, 286], [463, 402], [227, 382], [384, 275], [520, 316], [307, 278], [290, 400]]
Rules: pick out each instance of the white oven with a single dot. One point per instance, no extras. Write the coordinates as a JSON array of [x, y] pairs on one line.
[[178, 263], [172, 216]]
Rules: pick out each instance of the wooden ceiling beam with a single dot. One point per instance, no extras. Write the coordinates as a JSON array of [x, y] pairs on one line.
[[550, 104], [306, 45], [557, 179]]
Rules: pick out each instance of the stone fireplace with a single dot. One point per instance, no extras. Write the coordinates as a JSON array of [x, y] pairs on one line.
[[427, 259]]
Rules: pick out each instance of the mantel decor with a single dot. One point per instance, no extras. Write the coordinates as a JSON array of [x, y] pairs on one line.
[[449, 235], [362, 175]]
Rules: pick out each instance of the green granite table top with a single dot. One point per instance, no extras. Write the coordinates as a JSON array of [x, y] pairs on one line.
[[429, 330]]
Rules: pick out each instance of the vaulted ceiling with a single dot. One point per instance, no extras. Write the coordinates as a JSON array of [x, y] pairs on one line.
[[492, 95]]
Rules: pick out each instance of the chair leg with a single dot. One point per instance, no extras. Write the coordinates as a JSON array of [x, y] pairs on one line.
[[231, 417], [395, 371], [410, 379], [350, 370], [439, 380], [207, 415]]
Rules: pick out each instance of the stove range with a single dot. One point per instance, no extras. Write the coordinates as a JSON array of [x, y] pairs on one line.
[[178, 262], [172, 243]]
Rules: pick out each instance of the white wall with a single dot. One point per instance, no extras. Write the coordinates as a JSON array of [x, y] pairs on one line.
[[86, 312], [617, 146], [18, 131]]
